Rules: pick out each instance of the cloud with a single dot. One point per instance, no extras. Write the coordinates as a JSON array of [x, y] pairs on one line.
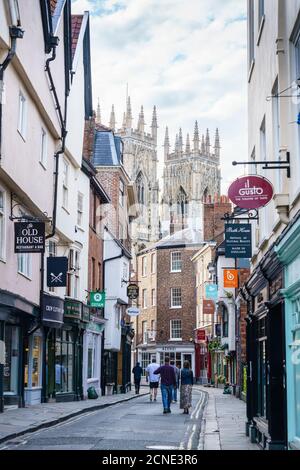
[[188, 58]]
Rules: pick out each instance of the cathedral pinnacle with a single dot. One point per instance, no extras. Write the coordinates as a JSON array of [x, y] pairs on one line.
[[207, 142], [180, 142], [98, 115], [217, 144], [203, 145], [167, 144], [128, 114], [112, 121], [188, 145], [196, 137], [154, 125], [141, 122]]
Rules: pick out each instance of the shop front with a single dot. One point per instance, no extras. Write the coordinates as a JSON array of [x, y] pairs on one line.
[[17, 318], [63, 335], [288, 250], [124, 359], [177, 353], [266, 397]]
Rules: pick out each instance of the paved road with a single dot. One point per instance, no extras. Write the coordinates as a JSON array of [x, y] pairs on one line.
[[134, 425]]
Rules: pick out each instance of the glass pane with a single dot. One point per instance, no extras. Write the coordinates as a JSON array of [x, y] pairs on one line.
[[64, 366], [36, 360], [11, 359], [70, 367], [297, 384], [58, 380]]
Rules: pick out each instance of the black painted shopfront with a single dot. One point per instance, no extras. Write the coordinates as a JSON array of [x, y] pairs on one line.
[[266, 392]]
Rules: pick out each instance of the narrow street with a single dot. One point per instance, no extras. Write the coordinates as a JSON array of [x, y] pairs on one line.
[[134, 425]]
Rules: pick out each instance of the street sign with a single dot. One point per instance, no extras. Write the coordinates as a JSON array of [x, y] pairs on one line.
[[97, 299], [57, 268], [211, 292], [133, 311], [208, 307], [251, 192], [132, 291], [52, 310], [231, 278], [238, 241], [29, 237]]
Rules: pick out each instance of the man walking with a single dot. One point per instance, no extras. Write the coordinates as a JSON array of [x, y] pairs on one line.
[[177, 374], [167, 382], [153, 379], [137, 374]]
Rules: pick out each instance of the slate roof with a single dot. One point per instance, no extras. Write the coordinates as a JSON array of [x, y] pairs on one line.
[[106, 151], [76, 22], [185, 237]]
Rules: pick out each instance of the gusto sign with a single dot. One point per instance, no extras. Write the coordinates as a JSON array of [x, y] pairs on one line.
[[251, 192]]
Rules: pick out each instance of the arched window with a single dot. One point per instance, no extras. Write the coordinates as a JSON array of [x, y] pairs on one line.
[[182, 203], [140, 185]]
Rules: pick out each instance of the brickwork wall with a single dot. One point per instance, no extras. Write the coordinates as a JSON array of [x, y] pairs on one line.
[[213, 213]]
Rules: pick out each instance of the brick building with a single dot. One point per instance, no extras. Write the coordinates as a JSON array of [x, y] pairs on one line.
[[167, 321]]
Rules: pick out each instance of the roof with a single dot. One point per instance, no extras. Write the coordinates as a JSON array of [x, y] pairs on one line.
[[184, 238], [76, 22], [106, 149]]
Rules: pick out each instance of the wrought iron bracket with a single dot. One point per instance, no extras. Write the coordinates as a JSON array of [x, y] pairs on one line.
[[252, 214], [24, 217], [276, 164]]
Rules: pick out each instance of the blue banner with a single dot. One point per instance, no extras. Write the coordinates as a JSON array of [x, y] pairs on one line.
[[211, 291]]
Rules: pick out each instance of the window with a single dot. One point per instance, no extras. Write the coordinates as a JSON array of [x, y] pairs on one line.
[[225, 323], [43, 155], [92, 355], [250, 33], [176, 297], [99, 276], [65, 184], [77, 280], [93, 273], [261, 11], [176, 262], [36, 361], [144, 331], [153, 297], [117, 316], [125, 273], [121, 193], [73, 283], [140, 190], [144, 266], [24, 264], [144, 298], [22, 115], [176, 332], [153, 263], [79, 209], [2, 225]]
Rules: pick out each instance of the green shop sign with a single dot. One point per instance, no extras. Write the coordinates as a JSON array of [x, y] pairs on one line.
[[73, 309], [97, 299], [85, 313]]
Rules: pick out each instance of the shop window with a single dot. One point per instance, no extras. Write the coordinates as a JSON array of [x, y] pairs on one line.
[[92, 350], [262, 369], [11, 366], [64, 361]]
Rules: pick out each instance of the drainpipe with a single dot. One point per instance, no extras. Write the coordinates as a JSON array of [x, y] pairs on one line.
[[15, 33], [103, 337]]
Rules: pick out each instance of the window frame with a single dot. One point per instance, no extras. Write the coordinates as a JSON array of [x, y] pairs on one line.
[[173, 329], [144, 298], [172, 270], [153, 263], [144, 266], [27, 257], [121, 192], [177, 306], [22, 117], [80, 195], [153, 298], [65, 184], [44, 149]]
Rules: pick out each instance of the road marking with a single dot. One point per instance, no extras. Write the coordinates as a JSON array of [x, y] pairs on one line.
[[161, 447]]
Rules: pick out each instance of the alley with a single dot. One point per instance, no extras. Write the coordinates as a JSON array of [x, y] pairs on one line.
[[134, 425]]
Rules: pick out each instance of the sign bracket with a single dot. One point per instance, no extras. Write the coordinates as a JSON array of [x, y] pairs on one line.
[[275, 164], [253, 214]]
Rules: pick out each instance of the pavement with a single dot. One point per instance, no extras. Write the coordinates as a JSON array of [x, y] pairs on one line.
[[223, 424], [16, 422]]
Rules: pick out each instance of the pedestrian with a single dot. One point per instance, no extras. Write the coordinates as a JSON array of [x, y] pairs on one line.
[[137, 374], [177, 374], [167, 382], [153, 379], [186, 386]]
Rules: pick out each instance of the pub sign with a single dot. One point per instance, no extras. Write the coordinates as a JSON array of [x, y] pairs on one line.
[[29, 237]]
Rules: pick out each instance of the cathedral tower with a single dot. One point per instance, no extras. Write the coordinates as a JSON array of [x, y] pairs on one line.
[[191, 175]]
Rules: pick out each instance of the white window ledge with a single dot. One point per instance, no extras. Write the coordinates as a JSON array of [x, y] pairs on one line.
[[176, 308], [176, 339]]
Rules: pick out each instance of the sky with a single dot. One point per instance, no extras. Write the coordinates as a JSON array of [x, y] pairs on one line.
[[187, 57]]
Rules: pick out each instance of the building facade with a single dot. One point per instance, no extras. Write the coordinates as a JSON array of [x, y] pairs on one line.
[[191, 175]]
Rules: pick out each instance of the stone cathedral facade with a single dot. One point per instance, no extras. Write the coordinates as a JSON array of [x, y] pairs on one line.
[[191, 175], [140, 162]]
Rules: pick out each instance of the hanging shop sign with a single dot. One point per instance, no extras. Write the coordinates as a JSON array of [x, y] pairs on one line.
[[133, 311], [201, 335], [238, 241], [97, 299], [132, 291], [52, 310], [211, 292], [85, 313], [73, 309], [251, 192], [29, 237], [208, 307], [57, 268], [231, 278]]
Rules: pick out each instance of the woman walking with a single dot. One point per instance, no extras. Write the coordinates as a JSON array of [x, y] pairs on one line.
[[187, 381]]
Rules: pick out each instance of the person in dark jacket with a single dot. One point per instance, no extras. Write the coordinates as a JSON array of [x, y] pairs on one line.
[[137, 374], [186, 386], [167, 383]]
